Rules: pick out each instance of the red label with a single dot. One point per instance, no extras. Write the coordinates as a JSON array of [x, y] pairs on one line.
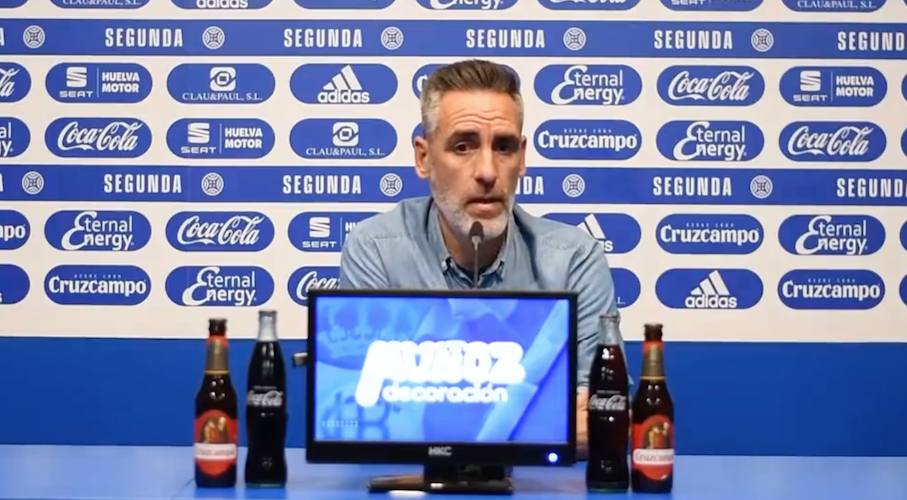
[[653, 447], [215, 442]]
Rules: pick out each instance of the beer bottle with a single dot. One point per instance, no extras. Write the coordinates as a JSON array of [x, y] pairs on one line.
[[608, 412], [653, 421], [215, 415], [266, 408]]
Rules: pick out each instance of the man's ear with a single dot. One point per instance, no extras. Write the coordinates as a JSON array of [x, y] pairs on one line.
[[420, 153], [523, 156]]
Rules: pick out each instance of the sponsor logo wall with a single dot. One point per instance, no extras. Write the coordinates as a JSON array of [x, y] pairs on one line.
[[741, 163]]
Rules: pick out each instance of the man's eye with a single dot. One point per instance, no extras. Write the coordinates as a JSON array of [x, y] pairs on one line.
[[461, 147]]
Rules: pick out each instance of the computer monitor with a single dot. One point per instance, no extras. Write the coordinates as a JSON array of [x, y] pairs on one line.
[[467, 383]]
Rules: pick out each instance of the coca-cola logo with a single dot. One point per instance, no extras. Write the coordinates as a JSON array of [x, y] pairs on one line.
[[220, 231], [98, 137], [711, 85], [15, 82], [270, 399], [305, 279], [832, 141], [615, 402]]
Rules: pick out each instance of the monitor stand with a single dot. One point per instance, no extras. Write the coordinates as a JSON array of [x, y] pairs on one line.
[[450, 478]]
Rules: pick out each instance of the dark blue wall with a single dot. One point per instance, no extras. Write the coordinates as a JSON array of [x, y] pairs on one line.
[[730, 397]]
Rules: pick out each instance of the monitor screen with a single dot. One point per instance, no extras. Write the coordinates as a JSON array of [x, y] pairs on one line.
[[453, 370]]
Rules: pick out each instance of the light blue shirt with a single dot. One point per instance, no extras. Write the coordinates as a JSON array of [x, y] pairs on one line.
[[403, 248]]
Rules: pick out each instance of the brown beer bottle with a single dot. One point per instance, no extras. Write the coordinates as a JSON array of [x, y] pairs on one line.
[[653, 421], [215, 415]]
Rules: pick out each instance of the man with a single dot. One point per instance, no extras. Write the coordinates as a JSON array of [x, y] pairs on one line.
[[472, 154]]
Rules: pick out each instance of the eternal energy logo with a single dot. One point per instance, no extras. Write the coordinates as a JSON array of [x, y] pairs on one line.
[[710, 140], [467, 4], [97, 285], [220, 231], [220, 83], [323, 231], [98, 137], [709, 288], [220, 138], [220, 286], [588, 84], [15, 82], [831, 234], [106, 230], [726, 234], [305, 279], [436, 371], [343, 83], [98, 82], [833, 86], [832, 141], [587, 139], [617, 233], [711, 85], [14, 284], [328, 138], [14, 229], [14, 137], [831, 289]]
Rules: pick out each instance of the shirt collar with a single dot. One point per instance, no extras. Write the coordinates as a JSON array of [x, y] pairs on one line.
[[436, 239]]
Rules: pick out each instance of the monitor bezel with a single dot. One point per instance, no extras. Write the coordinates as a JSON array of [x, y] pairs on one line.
[[418, 453]]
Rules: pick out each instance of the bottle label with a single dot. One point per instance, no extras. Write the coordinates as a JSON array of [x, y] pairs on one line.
[[267, 399], [653, 447], [606, 402], [215, 442]]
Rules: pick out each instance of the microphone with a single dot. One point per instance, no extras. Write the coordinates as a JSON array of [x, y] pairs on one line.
[[476, 235]]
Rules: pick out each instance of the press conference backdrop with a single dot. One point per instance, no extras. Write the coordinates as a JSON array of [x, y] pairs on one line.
[[741, 162]]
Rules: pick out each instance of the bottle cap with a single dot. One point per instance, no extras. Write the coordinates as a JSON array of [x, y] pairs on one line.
[[217, 326], [653, 331]]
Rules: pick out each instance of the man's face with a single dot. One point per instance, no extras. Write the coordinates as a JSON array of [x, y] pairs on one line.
[[474, 159]]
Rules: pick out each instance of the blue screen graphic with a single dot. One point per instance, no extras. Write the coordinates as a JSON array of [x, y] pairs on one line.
[[441, 369]]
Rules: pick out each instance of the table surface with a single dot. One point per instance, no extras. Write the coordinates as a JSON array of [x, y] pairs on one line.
[[135, 472]]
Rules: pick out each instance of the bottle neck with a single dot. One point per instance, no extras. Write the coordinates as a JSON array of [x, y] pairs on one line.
[[609, 330], [267, 329], [216, 360], [653, 360]]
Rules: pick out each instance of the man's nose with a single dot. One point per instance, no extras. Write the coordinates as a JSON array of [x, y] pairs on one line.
[[486, 172]]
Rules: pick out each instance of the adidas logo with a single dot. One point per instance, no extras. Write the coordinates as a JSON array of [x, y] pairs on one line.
[[344, 88], [711, 293], [591, 226]]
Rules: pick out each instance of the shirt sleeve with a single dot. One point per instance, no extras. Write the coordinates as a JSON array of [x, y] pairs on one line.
[[590, 277], [361, 265]]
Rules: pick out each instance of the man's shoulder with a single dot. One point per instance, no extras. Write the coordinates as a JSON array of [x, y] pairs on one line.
[[397, 222], [554, 234]]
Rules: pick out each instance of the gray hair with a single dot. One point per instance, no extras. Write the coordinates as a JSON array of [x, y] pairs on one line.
[[472, 74]]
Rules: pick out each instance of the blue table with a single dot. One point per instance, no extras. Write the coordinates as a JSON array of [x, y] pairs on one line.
[[133, 472]]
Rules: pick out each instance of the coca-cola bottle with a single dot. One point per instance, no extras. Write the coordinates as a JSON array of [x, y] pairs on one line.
[[266, 408], [608, 411], [215, 415]]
